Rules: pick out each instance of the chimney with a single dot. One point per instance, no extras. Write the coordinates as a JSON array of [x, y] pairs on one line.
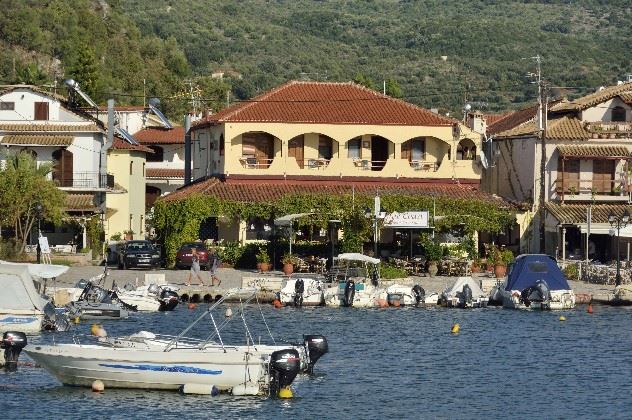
[[477, 122]]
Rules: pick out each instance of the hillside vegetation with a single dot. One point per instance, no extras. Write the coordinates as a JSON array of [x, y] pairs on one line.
[[438, 54]]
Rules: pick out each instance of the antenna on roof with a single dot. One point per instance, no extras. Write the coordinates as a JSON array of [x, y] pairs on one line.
[[153, 107], [73, 88]]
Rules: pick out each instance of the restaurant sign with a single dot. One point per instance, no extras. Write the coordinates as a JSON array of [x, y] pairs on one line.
[[407, 219]]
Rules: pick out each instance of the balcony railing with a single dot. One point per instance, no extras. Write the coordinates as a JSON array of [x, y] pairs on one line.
[[588, 189], [85, 180], [369, 165], [251, 162], [609, 129], [421, 165]]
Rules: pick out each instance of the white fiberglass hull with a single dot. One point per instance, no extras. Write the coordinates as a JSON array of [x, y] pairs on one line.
[[27, 323], [74, 364], [142, 303], [312, 294], [366, 297], [560, 299], [478, 302]]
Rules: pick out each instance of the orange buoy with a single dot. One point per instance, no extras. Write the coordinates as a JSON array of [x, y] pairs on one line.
[[277, 303], [382, 303], [192, 306], [396, 303], [590, 308]]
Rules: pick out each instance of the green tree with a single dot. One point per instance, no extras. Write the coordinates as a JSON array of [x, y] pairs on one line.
[[30, 74], [85, 70], [393, 89], [26, 194]]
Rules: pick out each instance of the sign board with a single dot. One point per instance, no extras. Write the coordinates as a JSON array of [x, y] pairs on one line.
[[407, 219], [43, 243]]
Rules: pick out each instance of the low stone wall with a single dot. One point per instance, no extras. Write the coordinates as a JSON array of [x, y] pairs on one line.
[[75, 259]]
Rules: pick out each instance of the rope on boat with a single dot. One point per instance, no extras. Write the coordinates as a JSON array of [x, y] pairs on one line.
[[264, 319]]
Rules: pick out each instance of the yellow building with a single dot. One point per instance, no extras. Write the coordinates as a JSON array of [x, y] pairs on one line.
[[332, 138], [125, 212]]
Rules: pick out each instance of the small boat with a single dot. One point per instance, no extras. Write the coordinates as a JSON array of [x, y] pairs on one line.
[[23, 307], [535, 281], [96, 302], [400, 295], [360, 285], [149, 361], [464, 293], [150, 298], [302, 291]]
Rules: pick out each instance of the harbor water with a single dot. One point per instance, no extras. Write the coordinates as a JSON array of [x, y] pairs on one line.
[[383, 363]]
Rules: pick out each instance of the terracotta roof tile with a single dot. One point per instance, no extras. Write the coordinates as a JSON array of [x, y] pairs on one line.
[[80, 202], [566, 128], [593, 150], [627, 97], [593, 99], [512, 120], [35, 140], [576, 213], [49, 127], [164, 173], [326, 103], [267, 190], [155, 135], [120, 144]]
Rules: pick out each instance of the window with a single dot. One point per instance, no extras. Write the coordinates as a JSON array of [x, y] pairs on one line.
[[157, 156], [354, 148], [131, 168], [63, 167], [222, 145], [414, 149], [260, 147], [325, 149], [295, 149], [143, 168], [618, 114], [41, 111], [568, 176], [140, 226], [7, 106]]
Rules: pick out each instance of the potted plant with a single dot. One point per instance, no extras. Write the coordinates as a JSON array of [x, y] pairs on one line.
[[433, 252], [501, 259], [477, 265], [263, 260], [288, 262], [129, 234]]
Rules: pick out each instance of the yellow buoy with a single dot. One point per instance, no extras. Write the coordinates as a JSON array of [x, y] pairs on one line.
[[456, 328], [562, 318], [285, 392], [98, 330], [97, 386], [77, 320]]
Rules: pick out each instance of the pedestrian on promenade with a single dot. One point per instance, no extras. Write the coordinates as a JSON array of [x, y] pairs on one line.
[[195, 267], [213, 263]]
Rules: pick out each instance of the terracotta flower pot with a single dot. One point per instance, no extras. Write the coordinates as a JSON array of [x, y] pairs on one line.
[[433, 269], [265, 267], [288, 269], [500, 270], [258, 266]]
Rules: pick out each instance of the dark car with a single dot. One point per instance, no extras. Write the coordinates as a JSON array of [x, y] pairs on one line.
[[138, 254], [183, 256]]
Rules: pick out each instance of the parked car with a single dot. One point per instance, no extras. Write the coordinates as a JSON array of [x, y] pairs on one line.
[[138, 254], [183, 256]]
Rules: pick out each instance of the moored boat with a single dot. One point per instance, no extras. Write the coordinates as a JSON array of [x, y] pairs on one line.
[[360, 286], [302, 291], [464, 293]]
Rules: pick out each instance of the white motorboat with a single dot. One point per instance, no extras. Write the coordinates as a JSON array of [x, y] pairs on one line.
[[22, 307], [535, 281], [401, 295], [302, 291], [150, 298], [360, 286], [149, 361], [464, 293]]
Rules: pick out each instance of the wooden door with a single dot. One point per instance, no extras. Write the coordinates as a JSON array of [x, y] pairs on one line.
[[603, 176], [568, 176], [41, 111], [295, 149], [62, 168], [406, 150]]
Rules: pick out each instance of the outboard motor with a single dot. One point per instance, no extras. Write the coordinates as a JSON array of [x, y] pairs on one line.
[[284, 366], [315, 347], [54, 321], [12, 342], [168, 300], [419, 293], [349, 293], [539, 293], [299, 288], [466, 295]]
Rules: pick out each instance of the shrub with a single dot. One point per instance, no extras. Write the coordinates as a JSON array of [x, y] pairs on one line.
[[571, 272], [262, 255], [388, 271]]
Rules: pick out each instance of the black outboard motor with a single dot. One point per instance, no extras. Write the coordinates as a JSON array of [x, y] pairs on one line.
[[168, 300], [315, 347], [420, 294], [284, 366], [12, 342], [466, 295], [539, 293], [299, 288], [349, 293]]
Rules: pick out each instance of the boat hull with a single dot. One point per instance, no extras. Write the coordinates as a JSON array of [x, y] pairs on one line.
[[81, 365], [560, 300], [312, 295], [27, 323]]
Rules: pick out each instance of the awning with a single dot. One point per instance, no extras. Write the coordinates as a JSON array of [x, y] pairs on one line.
[[352, 256], [34, 140], [604, 229], [577, 214], [594, 151], [287, 220]]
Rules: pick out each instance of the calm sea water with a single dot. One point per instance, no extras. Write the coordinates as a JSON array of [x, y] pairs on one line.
[[386, 363]]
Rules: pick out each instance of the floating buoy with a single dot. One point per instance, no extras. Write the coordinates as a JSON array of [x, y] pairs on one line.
[[98, 330], [590, 308], [277, 303], [97, 386], [192, 306], [562, 318], [199, 389], [396, 303], [77, 320], [228, 313], [382, 303], [456, 328], [285, 392]]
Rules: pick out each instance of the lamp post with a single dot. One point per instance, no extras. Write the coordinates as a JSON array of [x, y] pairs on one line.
[[38, 212], [618, 222]]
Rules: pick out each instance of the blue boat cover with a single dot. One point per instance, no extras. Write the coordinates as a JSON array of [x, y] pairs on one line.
[[529, 268]]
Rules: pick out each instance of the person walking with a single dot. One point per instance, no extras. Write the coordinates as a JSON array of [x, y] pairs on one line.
[[195, 267], [213, 263]]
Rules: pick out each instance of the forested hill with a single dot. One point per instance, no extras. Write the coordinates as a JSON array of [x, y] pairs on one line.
[[435, 53]]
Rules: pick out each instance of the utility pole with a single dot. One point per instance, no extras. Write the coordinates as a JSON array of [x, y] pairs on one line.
[[542, 120]]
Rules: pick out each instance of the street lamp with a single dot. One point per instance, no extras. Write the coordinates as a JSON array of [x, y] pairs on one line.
[[38, 212], [618, 222]]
